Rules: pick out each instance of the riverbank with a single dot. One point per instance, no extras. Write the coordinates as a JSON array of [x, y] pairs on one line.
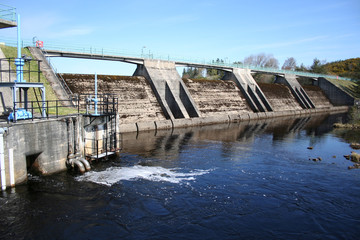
[[354, 122]]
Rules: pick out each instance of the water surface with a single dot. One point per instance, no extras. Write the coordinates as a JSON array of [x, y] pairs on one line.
[[230, 181]]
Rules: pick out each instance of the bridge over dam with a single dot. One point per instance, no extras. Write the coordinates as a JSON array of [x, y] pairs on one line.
[[157, 97]]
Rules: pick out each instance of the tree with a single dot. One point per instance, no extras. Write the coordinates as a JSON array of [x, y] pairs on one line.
[[212, 73], [318, 66], [289, 64], [192, 72], [272, 63], [262, 60], [302, 68]]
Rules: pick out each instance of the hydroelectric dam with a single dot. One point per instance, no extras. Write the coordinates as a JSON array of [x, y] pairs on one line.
[[154, 98]]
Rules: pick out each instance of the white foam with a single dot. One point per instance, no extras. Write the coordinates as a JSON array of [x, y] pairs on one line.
[[113, 175]]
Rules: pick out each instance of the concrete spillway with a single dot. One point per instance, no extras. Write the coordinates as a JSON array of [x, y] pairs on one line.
[[215, 100]]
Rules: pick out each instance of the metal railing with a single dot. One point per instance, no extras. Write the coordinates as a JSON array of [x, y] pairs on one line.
[[107, 103], [60, 108], [104, 147], [59, 76], [124, 53], [53, 109], [7, 13], [31, 70]]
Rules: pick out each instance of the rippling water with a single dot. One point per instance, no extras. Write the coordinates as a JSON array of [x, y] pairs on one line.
[[234, 181]]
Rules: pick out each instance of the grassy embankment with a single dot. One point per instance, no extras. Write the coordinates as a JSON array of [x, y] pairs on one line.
[[353, 89], [11, 52]]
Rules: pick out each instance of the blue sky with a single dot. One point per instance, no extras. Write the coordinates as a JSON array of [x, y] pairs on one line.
[[202, 29]]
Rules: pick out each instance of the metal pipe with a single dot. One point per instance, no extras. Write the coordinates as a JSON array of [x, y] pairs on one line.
[[70, 140], [43, 99], [86, 163], [19, 62], [79, 164], [11, 167], [2, 161]]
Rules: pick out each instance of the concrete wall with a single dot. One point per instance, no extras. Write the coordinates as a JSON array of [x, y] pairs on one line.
[[40, 146], [336, 96]]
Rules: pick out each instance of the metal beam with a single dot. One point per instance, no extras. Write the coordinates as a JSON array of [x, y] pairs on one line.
[[132, 60]]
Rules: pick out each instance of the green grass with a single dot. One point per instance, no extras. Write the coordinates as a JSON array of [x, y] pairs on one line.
[[11, 52], [350, 87]]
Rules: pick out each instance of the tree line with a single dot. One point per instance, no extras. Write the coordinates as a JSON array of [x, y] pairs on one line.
[[347, 68]]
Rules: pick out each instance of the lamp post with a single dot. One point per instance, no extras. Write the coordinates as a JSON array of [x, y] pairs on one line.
[[142, 51]]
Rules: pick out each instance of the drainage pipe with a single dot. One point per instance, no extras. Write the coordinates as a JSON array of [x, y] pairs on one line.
[[11, 167], [70, 137], [79, 164], [83, 160], [86, 163]]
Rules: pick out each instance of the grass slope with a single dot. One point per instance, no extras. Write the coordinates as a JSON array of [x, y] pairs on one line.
[[11, 52]]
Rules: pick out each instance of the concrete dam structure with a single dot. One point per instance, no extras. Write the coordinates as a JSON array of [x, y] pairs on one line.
[[213, 101], [154, 98]]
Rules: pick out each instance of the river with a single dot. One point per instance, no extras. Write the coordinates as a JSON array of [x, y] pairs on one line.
[[254, 180]]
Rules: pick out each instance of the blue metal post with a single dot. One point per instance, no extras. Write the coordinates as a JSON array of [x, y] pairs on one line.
[[19, 62]]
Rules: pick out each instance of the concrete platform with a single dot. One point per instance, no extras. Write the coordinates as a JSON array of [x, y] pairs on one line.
[[7, 24], [102, 155]]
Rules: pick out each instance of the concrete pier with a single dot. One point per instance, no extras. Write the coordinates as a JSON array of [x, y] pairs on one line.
[[250, 89], [169, 89], [296, 89]]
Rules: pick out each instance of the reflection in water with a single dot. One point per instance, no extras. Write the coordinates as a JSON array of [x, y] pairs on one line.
[[230, 181], [168, 144]]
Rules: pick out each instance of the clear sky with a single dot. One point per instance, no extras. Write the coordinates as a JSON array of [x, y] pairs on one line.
[[193, 29]]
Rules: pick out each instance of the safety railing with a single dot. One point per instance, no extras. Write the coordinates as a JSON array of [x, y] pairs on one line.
[[124, 53], [59, 77], [32, 110], [31, 70], [7, 13], [104, 147], [107, 104]]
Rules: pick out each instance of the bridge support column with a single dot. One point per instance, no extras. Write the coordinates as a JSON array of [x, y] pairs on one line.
[[172, 94], [248, 86], [296, 89]]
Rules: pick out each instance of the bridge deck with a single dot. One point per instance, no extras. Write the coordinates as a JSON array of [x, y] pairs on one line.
[[221, 66]]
